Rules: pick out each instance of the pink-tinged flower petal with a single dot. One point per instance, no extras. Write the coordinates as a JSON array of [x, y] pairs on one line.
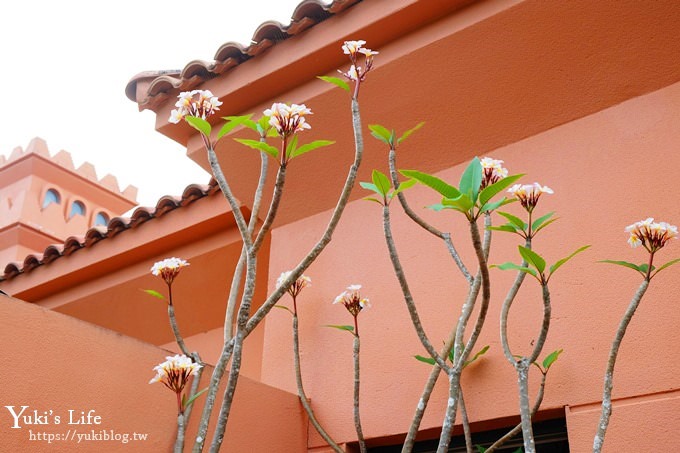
[[352, 47], [352, 300], [650, 234], [288, 119], [168, 268], [175, 371]]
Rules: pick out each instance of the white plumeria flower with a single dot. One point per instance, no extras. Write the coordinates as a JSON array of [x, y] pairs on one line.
[[352, 47], [356, 73], [650, 234], [168, 268], [198, 103], [176, 116], [492, 171], [352, 300], [367, 52], [297, 286], [175, 371], [288, 119], [528, 194]]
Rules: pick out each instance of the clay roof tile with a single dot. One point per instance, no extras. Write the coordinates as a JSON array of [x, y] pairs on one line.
[[308, 13]]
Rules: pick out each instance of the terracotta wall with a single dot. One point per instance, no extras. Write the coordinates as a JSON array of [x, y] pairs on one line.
[[56, 364], [606, 172]]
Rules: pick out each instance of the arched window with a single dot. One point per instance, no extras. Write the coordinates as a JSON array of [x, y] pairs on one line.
[[51, 196], [77, 208], [101, 219]]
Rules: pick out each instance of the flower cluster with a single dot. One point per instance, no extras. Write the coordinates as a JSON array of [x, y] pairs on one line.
[[198, 103], [352, 300], [168, 269], [288, 119], [294, 290], [492, 171], [651, 235], [175, 371], [528, 194], [356, 73]]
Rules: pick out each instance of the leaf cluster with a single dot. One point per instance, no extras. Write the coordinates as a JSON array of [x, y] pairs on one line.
[[389, 137], [522, 228], [535, 265], [383, 188], [643, 268], [468, 198], [450, 357]]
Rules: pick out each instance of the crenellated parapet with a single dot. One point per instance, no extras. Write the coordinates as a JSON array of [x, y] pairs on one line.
[[38, 147], [44, 199]]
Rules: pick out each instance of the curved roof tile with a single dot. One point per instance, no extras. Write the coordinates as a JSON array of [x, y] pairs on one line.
[[116, 225], [230, 54]]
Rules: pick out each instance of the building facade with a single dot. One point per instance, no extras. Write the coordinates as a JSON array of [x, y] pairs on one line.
[[581, 96]]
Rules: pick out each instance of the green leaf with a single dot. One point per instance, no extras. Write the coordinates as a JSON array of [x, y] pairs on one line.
[[507, 227], [405, 135], [433, 182], [538, 222], [491, 191], [405, 185], [153, 293], [670, 263], [559, 263], [263, 125], [516, 267], [335, 81], [199, 124], [283, 307], [370, 186], [532, 258], [381, 182], [381, 133], [291, 146], [493, 206], [260, 146], [476, 356], [536, 230], [519, 223], [380, 202], [437, 207], [471, 179], [193, 398], [480, 449], [232, 122], [462, 203], [644, 266], [335, 326], [624, 264], [429, 360], [551, 358], [316, 144]]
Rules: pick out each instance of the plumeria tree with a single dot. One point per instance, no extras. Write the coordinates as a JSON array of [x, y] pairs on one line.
[[354, 303], [480, 198], [652, 236], [282, 123], [476, 196]]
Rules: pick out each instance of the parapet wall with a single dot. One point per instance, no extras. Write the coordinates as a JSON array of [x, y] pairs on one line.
[[85, 389]]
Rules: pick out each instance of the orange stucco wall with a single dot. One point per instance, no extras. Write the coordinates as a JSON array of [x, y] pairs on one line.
[[595, 197], [61, 364]]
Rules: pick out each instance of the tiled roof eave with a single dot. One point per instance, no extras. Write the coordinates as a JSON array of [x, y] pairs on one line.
[[116, 225], [307, 14]]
